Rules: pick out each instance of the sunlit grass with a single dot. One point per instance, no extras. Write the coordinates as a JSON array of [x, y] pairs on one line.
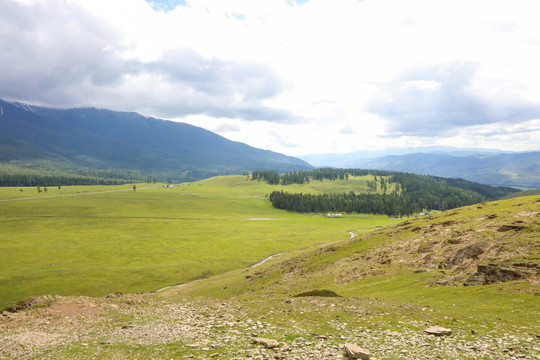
[[115, 239]]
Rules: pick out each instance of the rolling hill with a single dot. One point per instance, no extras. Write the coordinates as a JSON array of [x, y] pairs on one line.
[[76, 140]]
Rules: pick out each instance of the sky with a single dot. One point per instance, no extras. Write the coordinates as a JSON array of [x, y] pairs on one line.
[[296, 77]]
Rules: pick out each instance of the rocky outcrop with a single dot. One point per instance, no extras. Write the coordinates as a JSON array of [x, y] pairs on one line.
[[472, 251], [494, 273], [437, 330], [267, 343], [356, 352]]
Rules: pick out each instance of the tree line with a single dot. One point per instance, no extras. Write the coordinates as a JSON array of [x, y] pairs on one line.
[[15, 180], [305, 176], [404, 204], [411, 194]]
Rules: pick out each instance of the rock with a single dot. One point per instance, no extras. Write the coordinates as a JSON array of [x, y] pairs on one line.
[[438, 330], [494, 273], [511, 227], [268, 343], [114, 295], [356, 352], [470, 252]]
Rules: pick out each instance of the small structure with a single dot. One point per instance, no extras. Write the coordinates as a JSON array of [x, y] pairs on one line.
[[338, 215]]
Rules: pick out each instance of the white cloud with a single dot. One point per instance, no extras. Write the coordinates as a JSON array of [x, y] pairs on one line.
[[434, 100], [319, 75]]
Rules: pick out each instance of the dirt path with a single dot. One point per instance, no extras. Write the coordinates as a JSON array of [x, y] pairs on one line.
[[76, 194], [193, 281], [266, 259]]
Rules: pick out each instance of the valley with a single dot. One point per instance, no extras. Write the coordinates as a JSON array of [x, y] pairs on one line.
[[88, 269], [299, 180], [93, 240]]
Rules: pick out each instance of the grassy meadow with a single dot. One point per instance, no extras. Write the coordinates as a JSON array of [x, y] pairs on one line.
[[95, 240], [388, 266]]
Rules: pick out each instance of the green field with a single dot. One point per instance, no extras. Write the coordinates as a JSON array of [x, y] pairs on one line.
[[389, 265], [95, 240]]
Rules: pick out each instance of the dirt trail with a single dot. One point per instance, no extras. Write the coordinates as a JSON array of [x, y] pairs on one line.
[[266, 259], [76, 194]]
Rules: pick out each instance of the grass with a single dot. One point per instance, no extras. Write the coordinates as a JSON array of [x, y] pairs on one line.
[[137, 240], [95, 240], [336, 267]]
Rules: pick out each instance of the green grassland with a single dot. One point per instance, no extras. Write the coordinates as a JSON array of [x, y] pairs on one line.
[[395, 278], [401, 266], [94, 240]]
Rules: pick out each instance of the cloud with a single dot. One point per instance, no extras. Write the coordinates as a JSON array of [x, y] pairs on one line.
[[311, 71], [226, 128], [347, 130], [58, 54], [47, 52], [439, 99], [217, 77]]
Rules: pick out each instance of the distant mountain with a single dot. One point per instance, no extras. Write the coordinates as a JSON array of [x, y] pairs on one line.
[[76, 140], [487, 166], [514, 169], [353, 159]]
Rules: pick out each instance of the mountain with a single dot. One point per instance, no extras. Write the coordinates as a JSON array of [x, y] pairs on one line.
[[75, 140], [489, 167], [515, 169], [350, 160]]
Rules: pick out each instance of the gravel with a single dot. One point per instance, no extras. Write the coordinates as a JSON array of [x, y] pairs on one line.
[[145, 325]]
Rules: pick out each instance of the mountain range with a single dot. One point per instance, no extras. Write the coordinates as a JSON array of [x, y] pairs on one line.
[[75, 140], [94, 142], [487, 166]]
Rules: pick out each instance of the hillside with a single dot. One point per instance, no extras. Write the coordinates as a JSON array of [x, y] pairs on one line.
[[493, 168], [488, 243], [473, 270], [90, 141]]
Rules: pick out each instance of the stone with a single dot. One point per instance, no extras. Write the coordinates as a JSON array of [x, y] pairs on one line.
[[268, 343], [438, 330], [356, 352]]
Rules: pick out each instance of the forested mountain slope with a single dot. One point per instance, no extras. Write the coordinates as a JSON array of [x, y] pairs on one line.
[[75, 141]]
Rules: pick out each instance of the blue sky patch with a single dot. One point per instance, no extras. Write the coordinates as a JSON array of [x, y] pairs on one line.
[[165, 5]]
